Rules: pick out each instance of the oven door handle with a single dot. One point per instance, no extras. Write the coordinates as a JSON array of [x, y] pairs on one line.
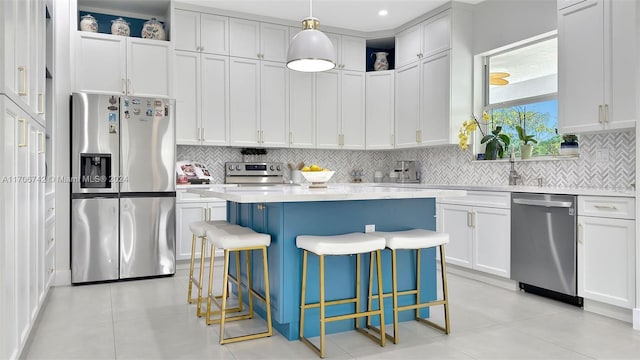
[[544, 203]]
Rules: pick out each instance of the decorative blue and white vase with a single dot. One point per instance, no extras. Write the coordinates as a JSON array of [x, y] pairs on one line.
[[153, 29]]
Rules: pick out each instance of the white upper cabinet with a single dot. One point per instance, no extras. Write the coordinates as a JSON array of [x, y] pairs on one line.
[[380, 109], [202, 98], [111, 64], [149, 67], [407, 107], [301, 115], [436, 34], [255, 40], [425, 39], [350, 52], [596, 54], [340, 110], [408, 46], [434, 94], [258, 103], [22, 54], [207, 33], [101, 64]]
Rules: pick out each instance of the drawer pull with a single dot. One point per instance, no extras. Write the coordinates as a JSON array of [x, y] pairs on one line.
[[51, 270], [605, 207], [51, 240]]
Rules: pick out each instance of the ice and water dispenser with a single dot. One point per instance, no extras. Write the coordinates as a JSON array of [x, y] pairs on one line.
[[95, 171]]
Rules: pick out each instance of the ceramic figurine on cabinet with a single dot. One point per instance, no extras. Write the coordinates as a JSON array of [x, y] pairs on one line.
[[120, 27], [153, 29], [88, 23]]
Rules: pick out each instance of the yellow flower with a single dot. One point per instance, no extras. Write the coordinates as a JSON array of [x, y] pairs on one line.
[[485, 116], [472, 126]]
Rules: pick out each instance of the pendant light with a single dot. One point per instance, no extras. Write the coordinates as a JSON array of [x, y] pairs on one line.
[[311, 50]]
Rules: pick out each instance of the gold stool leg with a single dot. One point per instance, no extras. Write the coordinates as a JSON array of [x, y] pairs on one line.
[[225, 289], [370, 300], [267, 291], [249, 281], [358, 280], [303, 293], [322, 309], [418, 282], [210, 287], [445, 293], [203, 254], [394, 284], [381, 299], [239, 280], [191, 268]]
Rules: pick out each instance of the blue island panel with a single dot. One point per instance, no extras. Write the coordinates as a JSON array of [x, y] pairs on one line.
[[285, 221]]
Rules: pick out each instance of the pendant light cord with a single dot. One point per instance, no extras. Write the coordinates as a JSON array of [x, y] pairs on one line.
[[310, 8]]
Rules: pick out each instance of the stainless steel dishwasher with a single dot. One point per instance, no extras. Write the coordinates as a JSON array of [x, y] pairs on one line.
[[543, 245]]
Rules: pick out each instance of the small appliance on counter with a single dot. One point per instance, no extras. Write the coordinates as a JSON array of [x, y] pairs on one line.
[[407, 171], [192, 172]]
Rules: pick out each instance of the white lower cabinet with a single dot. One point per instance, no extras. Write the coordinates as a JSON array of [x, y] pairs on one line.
[[480, 236], [191, 208], [606, 250]]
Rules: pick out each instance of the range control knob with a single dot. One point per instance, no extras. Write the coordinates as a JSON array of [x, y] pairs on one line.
[[238, 167], [271, 167], [278, 167], [230, 167]]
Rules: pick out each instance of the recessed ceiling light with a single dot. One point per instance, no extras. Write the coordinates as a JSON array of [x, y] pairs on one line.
[[383, 12]]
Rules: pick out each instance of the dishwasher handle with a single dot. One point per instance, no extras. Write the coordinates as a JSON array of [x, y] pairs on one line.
[[544, 203]]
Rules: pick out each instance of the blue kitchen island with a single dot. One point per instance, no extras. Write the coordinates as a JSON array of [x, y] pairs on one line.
[[285, 212]]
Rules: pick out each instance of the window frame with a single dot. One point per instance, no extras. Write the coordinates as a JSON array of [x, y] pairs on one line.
[[485, 87]]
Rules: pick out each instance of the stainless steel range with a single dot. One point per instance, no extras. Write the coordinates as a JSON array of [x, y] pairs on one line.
[[254, 173]]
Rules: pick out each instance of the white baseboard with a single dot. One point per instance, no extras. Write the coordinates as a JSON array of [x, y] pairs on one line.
[[636, 318], [484, 277], [62, 278], [611, 311]]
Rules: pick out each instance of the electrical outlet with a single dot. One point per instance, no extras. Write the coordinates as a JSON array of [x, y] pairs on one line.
[[369, 228]]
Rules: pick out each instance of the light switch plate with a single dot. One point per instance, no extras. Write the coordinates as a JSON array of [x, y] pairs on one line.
[[369, 228]]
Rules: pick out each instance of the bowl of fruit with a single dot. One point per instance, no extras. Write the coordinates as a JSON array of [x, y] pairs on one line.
[[317, 176]]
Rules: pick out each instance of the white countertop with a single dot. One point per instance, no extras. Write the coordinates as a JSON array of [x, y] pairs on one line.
[[333, 192]]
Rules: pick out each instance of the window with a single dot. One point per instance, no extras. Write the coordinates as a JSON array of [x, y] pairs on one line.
[[521, 86]]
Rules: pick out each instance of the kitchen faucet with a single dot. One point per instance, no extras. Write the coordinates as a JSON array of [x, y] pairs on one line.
[[513, 174]]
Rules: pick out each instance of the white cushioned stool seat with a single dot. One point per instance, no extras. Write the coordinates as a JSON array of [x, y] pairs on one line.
[[413, 239], [199, 228], [236, 237], [344, 244]]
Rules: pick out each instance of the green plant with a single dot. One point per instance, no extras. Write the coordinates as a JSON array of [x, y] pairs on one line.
[[524, 138], [496, 142], [570, 138]]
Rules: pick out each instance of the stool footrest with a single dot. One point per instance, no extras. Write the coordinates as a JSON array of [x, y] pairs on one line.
[[432, 324], [246, 337], [377, 331], [330, 303], [352, 316], [421, 305]]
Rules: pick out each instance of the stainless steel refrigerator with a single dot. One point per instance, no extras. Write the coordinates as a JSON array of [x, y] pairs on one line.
[[122, 187]]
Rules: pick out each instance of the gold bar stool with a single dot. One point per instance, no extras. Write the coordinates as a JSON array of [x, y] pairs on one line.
[[345, 244], [414, 239], [199, 230], [238, 238]]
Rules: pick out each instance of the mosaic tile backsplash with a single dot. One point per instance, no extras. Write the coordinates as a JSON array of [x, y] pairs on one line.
[[614, 168]]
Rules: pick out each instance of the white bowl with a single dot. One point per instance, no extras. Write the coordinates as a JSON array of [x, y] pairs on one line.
[[317, 178]]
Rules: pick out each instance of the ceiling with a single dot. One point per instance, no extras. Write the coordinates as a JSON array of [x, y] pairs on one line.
[[360, 15]]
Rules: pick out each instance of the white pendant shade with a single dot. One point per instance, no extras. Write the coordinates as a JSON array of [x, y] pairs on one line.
[[311, 50]]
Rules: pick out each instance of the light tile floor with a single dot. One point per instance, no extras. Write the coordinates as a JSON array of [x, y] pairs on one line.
[[149, 319]]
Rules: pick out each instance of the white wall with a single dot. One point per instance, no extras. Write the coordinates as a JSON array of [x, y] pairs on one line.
[[497, 23]]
